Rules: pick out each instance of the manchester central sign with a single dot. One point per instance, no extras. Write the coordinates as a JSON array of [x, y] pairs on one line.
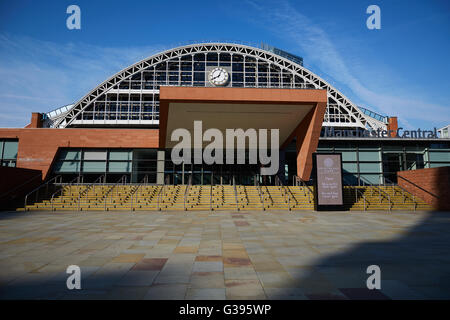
[[379, 133]]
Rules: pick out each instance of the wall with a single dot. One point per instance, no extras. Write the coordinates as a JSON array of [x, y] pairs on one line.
[[431, 185], [38, 147], [15, 183]]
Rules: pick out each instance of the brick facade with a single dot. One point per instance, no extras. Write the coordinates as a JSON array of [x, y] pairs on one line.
[[431, 185], [38, 147]]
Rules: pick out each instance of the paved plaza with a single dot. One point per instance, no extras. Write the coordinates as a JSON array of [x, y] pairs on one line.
[[224, 255]]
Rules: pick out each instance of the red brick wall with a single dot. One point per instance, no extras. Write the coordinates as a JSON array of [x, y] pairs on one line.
[[38, 147], [431, 185]]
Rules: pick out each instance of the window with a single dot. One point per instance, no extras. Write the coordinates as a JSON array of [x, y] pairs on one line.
[[8, 152]]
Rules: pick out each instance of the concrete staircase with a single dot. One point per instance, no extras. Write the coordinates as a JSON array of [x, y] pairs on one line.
[[220, 197]]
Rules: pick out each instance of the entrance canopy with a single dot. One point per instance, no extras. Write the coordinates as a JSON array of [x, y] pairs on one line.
[[296, 113]]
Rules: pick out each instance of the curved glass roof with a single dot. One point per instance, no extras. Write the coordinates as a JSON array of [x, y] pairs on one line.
[[130, 98]]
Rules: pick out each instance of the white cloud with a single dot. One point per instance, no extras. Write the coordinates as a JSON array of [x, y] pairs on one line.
[[38, 76], [318, 49]]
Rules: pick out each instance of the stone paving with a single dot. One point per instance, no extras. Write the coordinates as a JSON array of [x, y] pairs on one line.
[[224, 255]]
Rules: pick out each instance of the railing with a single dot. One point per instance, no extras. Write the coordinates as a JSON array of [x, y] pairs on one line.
[[297, 181], [284, 192], [210, 197], [61, 190], [235, 193], [186, 192], [380, 191], [159, 197], [261, 195], [366, 203], [36, 190], [404, 192]]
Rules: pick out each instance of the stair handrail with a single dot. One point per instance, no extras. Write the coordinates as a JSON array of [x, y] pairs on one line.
[[39, 187], [404, 196], [132, 193], [210, 196], [261, 195], [185, 194], [365, 201], [100, 180], [107, 193], [159, 198], [380, 191], [387, 183], [60, 190], [235, 193], [303, 182], [283, 187], [270, 197]]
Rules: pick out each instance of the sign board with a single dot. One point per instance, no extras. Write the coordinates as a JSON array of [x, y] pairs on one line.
[[328, 181]]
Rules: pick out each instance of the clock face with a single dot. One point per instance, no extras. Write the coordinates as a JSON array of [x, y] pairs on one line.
[[218, 76]]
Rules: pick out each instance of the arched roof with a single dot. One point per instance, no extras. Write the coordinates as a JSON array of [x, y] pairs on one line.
[[339, 102]]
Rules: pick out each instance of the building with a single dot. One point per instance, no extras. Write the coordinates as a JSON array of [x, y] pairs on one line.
[[120, 130]]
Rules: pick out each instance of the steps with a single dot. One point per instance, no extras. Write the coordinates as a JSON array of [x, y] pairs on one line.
[[220, 197]]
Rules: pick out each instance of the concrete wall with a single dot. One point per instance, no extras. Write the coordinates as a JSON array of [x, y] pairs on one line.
[[432, 185]]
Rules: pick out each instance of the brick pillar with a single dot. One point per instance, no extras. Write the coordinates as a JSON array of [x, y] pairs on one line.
[[36, 120], [393, 125]]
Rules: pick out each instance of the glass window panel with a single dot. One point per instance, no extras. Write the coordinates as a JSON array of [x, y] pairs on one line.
[[436, 165], [369, 167], [120, 166], [348, 155], [120, 155], [67, 166], [439, 156], [1, 149], [95, 155], [94, 166], [369, 156], [10, 149], [371, 178], [350, 167], [69, 155]]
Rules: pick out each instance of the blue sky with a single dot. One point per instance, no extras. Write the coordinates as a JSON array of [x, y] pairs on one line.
[[402, 69]]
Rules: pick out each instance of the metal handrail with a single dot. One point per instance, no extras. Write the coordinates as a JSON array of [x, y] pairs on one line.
[[380, 191], [261, 195], [159, 197], [404, 196], [303, 182], [365, 201], [283, 188], [210, 197], [235, 193], [60, 190], [133, 192], [39, 187], [185, 194], [107, 193]]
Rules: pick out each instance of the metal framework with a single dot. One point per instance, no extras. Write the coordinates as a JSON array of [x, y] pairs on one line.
[[131, 97]]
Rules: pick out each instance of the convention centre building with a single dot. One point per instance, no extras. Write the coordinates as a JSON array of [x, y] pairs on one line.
[[122, 130]]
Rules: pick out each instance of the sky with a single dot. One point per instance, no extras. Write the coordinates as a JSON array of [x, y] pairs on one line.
[[399, 70]]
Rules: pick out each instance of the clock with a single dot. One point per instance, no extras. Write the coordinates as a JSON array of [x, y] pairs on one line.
[[218, 76]]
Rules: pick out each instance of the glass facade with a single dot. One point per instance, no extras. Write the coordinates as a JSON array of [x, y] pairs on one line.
[[363, 162], [113, 163], [377, 161], [8, 152]]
